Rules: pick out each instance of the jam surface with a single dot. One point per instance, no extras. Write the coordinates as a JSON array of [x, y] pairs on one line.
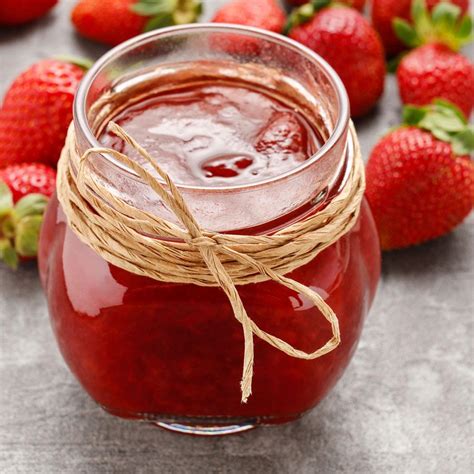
[[217, 135], [162, 351]]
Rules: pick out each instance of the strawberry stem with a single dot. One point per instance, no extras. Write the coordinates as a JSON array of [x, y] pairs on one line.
[[83, 63], [303, 14], [19, 225], [6, 200], [163, 13]]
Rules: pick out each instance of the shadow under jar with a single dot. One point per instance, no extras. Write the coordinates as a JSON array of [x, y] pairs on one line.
[[254, 130]]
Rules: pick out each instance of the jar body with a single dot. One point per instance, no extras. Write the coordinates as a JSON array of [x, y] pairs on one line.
[[160, 351]]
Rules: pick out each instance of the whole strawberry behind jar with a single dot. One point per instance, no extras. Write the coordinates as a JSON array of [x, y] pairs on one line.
[[435, 69], [384, 12], [114, 21], [347, 41]]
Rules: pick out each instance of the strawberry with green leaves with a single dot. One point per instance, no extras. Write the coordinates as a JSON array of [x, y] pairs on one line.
[[37, 110], [24, 193], [114, 21], [420, 178], [346, 40], [384, 13], [434, 69]]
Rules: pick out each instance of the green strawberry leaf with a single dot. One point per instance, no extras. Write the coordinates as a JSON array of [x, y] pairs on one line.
[[298, 17], [463, 142], [159, 21], [7, 228], [6, 199], [445, 106], [303, 14], [152, 8], [440, 120], [445, 15], [419, 13], [27, 236], [465, 28], [163, 13], [413, 115], [319, 4], [8, 254], [30, 205], [441, 135], [445, 121], [444, 25], [393, 63], [20, 224], [406, 32], [83, 63]]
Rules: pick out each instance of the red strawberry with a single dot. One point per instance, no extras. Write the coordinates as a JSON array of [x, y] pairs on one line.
[[385, 11], [420, 179], [24, 192], [265, 14], [16, 12], [343, 37], [36, 112], [357, 4], [114, 21], [29, 178], [435, 70]]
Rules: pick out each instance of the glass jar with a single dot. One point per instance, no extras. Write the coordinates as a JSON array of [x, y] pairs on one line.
[[172, 353]]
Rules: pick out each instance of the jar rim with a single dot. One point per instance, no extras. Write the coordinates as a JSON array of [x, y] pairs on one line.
[[80, 112]]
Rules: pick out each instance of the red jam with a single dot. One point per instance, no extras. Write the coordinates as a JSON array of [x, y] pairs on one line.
[[162, 351], [218, 135]]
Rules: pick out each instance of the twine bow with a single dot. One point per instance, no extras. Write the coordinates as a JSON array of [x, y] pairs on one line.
[[145, 244]]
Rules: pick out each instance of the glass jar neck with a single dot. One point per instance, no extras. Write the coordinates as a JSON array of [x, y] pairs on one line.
[[307, 85]]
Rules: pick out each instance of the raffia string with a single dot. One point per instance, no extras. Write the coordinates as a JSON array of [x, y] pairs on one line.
[[148, 245]]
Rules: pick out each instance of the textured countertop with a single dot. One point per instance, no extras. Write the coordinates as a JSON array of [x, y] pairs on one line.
[[404, 405]]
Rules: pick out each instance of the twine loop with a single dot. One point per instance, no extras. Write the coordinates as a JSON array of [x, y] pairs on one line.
[[148, 245]]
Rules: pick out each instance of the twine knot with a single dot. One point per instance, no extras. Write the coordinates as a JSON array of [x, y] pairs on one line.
[[145, 244], [202, 241]]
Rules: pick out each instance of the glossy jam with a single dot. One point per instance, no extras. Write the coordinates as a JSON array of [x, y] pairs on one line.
[[161, 351], [218, 135]]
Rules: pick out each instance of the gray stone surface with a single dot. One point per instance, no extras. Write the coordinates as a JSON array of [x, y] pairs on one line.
[[404, 405]]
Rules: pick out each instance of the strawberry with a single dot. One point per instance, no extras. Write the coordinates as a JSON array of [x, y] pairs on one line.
[[29, 178], [17, 12], [36, 112], [385, 11], [343, 37], [357, 4], [435, 69], [24, 192], [265, 14], [420, 179], [114, 21]]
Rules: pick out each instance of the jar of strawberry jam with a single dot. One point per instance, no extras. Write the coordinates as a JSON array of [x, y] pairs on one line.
[[254, 130]]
